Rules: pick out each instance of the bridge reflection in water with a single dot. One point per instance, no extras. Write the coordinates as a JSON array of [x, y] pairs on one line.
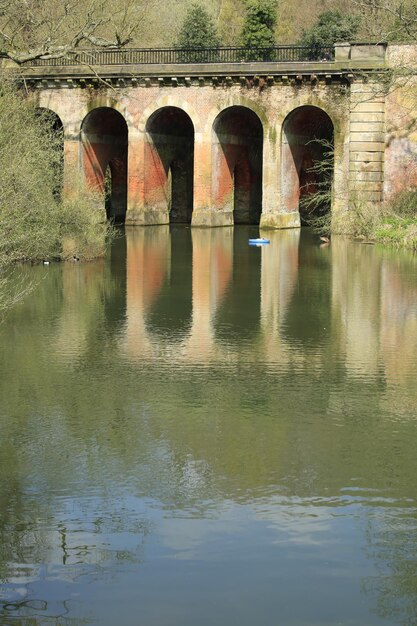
[[204, 295], [217, 269]]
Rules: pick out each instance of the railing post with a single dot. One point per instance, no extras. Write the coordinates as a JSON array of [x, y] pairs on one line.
[[342, 51]]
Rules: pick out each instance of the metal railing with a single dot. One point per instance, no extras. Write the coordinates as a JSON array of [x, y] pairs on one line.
[[148, 56]]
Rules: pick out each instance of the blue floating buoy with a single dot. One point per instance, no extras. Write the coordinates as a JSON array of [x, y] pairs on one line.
[[260, 241]]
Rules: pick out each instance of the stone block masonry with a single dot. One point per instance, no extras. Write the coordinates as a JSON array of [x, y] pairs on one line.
[[367, 141]]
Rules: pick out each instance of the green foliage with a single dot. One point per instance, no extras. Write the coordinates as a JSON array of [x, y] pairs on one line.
[[29, 159], [34, 220], [52, 28], [399, 233], [230, 21], [197, 31], [394, 224], [364, 222], [330, 27], [315, 207], [398, 223], [258, 28], [402, 24], [83, 230]]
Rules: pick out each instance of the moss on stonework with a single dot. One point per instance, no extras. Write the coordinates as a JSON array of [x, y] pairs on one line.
[[97, 100], [272, 132]]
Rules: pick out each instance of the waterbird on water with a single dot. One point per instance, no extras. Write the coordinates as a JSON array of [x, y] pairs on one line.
[[325, 239]]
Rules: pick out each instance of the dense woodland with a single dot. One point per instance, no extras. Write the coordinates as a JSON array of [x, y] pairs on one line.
[[55, 27], [378, 19]]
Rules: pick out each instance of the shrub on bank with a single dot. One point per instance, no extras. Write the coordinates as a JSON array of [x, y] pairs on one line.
[[80, 237], [398, 222], [394, 224], [35, 222]]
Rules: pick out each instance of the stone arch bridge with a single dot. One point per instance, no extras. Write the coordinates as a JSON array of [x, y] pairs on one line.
[[220, 140]]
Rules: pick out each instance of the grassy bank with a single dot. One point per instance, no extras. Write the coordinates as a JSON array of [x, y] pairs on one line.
[[397, 224], [394, 224]]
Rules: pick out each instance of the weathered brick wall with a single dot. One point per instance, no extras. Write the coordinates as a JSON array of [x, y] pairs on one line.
[[202, 101]]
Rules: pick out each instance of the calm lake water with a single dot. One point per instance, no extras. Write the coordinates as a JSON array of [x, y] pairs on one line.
[[198, 432]]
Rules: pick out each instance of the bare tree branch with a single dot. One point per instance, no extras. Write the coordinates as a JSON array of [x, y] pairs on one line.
[[389, 19], [38, 29]]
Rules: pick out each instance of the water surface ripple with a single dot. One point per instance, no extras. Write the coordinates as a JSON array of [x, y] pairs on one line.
[[195, 431]]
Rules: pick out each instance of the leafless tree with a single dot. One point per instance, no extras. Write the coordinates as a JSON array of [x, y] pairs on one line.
[[34, 29], [388, 20]]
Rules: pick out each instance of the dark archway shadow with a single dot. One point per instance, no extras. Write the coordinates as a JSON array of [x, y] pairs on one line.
[[308, 318], [170, 314], [104, 138], [307, 162], [169, 164], [237, 153], [237, 320]]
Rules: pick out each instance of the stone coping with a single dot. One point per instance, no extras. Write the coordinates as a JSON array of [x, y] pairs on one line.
[[202, 70]]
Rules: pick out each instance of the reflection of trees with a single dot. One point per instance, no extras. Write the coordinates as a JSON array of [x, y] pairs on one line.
[[392, 545], [41, 454], [28, 612], [391, 537], [76, 313]]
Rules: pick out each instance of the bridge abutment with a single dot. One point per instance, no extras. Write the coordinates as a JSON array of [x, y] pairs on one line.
[[367, 141]]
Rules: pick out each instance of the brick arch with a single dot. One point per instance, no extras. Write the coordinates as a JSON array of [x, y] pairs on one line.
[[246, 103], [104, 141], [169, 163], [57, 127], [237, 163], [55, 105], [103, 102], [169, 101], [307, 139], [49, 111], [308, 102]]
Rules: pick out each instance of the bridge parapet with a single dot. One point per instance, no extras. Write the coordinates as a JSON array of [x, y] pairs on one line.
[[279, 61]]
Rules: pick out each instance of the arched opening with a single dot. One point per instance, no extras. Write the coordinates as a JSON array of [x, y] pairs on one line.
[[54, 124], [169, 164], [237, 164], [307, 162], [104, 137]]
